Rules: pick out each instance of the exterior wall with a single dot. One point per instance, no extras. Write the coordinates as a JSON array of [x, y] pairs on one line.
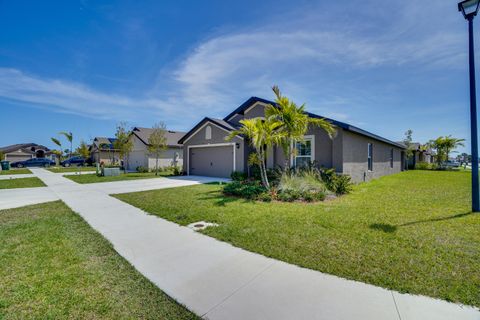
[[218, 136], [166, 158], [355, 153], [104, 156], [257, 110], [138, 155]]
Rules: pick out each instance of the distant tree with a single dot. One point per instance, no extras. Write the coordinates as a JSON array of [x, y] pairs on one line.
[[157, 142], [123, 143], [82, 150], [69, 137], [58, 152], [408, 142], [2, 156], [444, 146]]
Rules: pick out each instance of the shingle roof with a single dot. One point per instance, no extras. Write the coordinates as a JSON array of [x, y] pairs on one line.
[[172, 136], [27, 147], [98, 141], [340, 124], [222, 123]]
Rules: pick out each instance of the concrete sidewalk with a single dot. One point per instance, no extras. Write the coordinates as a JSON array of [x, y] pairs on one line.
[[16, 176], [20, 197], [218, 281]]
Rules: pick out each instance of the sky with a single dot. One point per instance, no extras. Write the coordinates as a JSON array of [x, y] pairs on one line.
[[84, 66]]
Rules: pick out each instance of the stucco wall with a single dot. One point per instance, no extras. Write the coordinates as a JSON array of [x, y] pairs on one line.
[[166, 158], [355, 152], [218, 136]]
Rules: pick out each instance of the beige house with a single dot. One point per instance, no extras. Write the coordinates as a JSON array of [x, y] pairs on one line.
[[140, 157], [102, 150], [25, 151]]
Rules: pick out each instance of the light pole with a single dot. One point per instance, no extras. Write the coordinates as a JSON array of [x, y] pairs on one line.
[[469, 9]]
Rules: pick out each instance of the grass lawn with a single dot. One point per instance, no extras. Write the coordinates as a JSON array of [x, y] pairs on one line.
[[54, 266], [21, 183], [411, 232], [15, 171], [70, 169], [93, 178]]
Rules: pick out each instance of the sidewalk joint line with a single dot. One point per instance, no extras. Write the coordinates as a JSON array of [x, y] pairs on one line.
[[396, 307]]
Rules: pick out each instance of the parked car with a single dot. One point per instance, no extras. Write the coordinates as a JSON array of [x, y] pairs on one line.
[[74, 161], [452, 164], [34, 162]]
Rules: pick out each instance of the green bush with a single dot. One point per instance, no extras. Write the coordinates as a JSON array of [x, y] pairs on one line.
[[245, 189], [265, 197], [142, 169], [304, 185], [238, 176], [342, 184], [423, 166], [289, 195]]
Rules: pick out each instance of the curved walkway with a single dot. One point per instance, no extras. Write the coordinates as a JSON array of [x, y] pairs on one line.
[[218, 281]]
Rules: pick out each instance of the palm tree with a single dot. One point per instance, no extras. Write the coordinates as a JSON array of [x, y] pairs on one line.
[[294, 123], [59, 152], [443, 146], [261, 134], [69, 137], [450, 143]]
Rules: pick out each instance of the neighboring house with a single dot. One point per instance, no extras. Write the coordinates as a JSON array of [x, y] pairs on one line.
[[420, 154], [140, 157], [25, 151], [352, 151], [103, 150]]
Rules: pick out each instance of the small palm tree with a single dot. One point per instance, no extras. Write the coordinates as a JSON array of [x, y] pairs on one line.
[[294, 123], [69, 137], [261, 134]]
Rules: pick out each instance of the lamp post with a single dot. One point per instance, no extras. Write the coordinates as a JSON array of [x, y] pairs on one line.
[[469, 9]]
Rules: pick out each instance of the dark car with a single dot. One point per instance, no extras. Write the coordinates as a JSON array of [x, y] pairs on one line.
[[74, 161], [34, 162]]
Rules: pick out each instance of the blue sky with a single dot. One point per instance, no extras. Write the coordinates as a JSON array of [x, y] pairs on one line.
[[83, 66]]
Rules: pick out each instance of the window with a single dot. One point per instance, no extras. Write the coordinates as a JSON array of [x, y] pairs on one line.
[[208, 133], [391, 158], [370, 157], [304, 152]]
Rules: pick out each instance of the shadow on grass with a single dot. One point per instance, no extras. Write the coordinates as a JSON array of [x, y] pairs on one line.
[[220, 199], [388, 228]]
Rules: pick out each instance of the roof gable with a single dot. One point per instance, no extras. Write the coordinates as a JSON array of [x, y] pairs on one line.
[[172, 136]]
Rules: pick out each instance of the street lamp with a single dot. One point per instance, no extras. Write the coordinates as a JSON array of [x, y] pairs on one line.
[[469, 9]]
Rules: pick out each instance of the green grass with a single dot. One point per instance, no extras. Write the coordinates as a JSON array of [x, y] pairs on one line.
[[70, 169], [93, 178], [21, 183], [54, 266], [411, 232], [15, 171]]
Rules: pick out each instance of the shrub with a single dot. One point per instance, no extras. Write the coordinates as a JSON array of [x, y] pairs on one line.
[[423, 166], [265, 197], [342, 184], [244, 189], [289, 195], [177, 170], [304, 185], [142, 169], [238, 176]]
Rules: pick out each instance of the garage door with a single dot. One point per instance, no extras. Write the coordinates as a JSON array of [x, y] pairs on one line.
[[18, 157], [211, 161]]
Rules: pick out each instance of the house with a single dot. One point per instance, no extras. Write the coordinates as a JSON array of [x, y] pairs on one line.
[[102, 150], [420, 154], [25, 151], [141, 157], [352, 151]]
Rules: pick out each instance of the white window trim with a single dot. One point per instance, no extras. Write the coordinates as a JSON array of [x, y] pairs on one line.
[[312, 143], [203, 126], [233, 144]]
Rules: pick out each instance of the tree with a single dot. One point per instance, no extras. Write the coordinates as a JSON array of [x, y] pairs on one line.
[[2, 156], [261, 134], [69, 137], [408, 142], [157, 142], [294, 123], [82, 150], [444, 146], [58, 152], [123, 143]]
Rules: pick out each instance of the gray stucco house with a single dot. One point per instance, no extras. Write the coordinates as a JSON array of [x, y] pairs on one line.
[[139, 156], [352, 151]]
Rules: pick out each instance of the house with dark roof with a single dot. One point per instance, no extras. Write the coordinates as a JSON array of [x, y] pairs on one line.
[[25, 151], [141, 157], [420, 154], [353, 151], [102, 150]]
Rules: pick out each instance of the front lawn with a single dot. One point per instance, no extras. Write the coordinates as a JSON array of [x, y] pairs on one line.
[[70, 169], [411, 232], [15, 171], [93, 178], [54, 266], [21, 183]]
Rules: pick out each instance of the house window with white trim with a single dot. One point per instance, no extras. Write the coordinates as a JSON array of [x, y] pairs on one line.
[[304, 152], [208, 133], [370, 157]]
